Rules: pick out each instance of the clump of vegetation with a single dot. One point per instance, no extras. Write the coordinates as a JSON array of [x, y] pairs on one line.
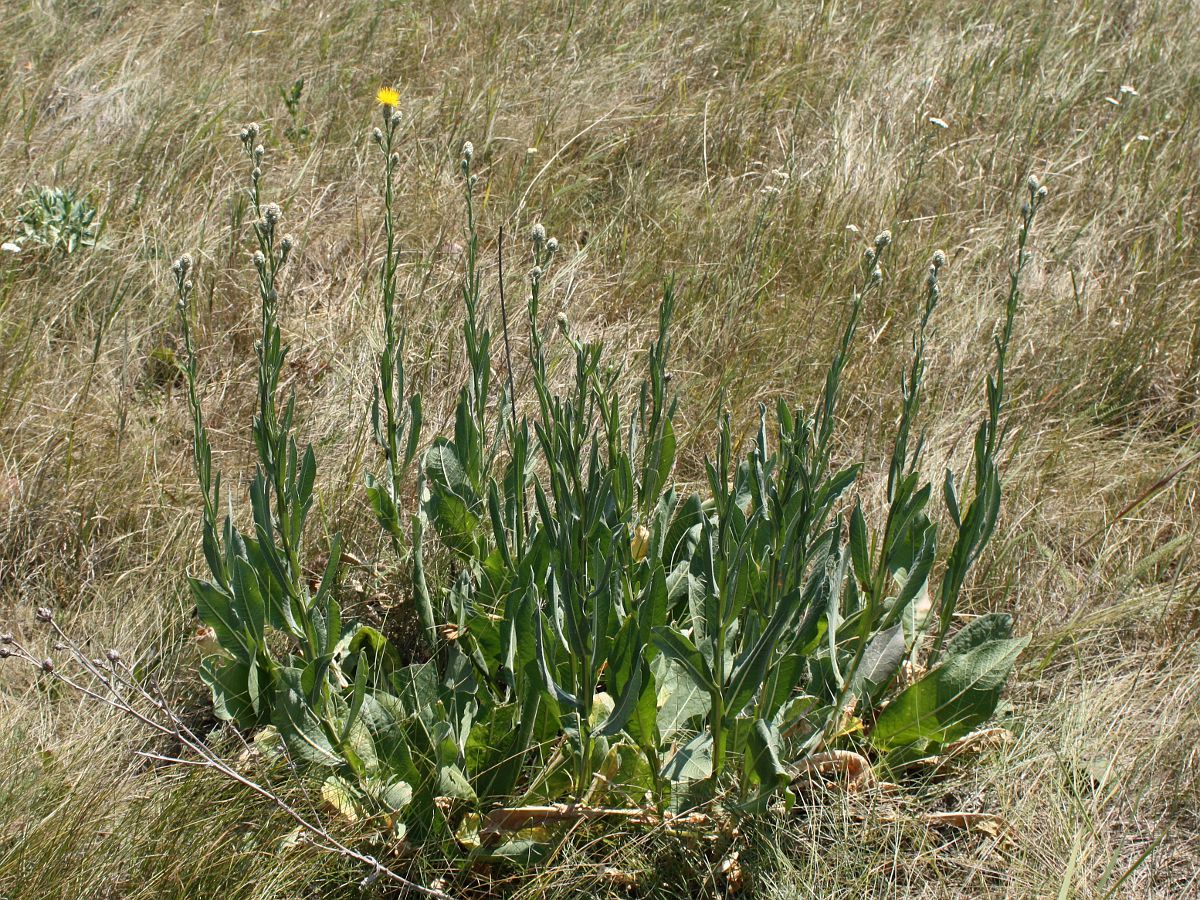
[[598, 642], [61, 220]]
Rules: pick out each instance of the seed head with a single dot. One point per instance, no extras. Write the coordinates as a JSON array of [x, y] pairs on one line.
[[44, 614], [538, 235], [182, 265], [272, 214]]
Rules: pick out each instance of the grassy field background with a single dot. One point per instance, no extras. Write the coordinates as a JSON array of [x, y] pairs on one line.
[[750, 149]]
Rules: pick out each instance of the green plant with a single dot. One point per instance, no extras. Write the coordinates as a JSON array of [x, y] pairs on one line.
[[594, 638], [59, 219], [291, 96]]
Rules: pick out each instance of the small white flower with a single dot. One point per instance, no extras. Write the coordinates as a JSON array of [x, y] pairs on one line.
[[10, 247]]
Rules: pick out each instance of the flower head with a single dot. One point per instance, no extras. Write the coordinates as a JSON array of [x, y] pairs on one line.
[[388, 96]]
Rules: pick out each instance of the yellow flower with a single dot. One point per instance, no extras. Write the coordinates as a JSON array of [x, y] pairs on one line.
[[388, 96]]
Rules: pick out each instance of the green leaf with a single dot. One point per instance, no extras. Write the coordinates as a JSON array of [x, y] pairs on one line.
[[216, 610], [693, 761], [678, 648], [452, 503], [950, 700], [298, 724], [762, 745], [680, 698], [879, 662], [229, 681], [990, 627]]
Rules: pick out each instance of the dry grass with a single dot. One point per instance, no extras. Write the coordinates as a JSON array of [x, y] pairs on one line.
[[733, 146]]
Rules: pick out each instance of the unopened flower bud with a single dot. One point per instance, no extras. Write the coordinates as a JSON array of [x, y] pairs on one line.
[[6, 638], [639, 543], [256, 174], [474, 180], [562, 321], [395, 160], [882, 240], [47, 665], [187, 286], [272, 214], [1041, 192], [538, 235], [1033, 184], [395, 119], [876, 275], [44, 614], [377, 135], [259, 150], [259, 259], [287, 244], [244, 135], [114, 656], [552, 245], [5, 653], [939, 259], [468, 151]]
